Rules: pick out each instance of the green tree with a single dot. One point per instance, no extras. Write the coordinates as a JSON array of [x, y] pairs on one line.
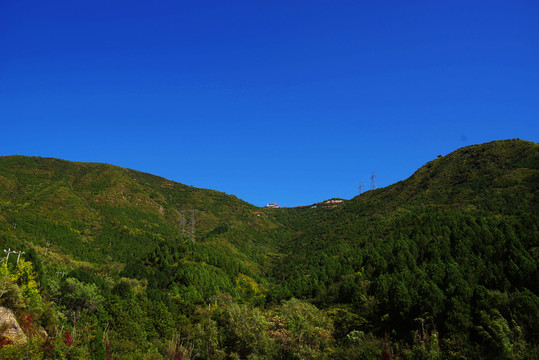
[[246, 331]]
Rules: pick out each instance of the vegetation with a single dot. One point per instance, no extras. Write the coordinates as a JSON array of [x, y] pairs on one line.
[[443, 265]]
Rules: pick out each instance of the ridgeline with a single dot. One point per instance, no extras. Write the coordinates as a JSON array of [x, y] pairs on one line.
[[131, 265]]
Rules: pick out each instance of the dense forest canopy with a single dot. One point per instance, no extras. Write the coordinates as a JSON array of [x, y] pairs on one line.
[[123, 264]]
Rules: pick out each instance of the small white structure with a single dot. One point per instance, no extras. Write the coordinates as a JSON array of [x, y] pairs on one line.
[[272, 205], [333, 201]]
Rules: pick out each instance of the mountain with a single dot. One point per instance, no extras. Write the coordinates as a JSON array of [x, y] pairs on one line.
[[456, 243], [443, 264], [106, 214]]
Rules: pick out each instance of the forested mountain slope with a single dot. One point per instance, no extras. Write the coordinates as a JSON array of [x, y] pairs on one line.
[[453, 249], [107, 214], [441, 265], [125, 223]]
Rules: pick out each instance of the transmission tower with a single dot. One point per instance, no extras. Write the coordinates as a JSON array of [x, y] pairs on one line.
[[47, 247], [192, 223], [192, 230], [373, 182], [360, 187], [182, 220], [9, 251]]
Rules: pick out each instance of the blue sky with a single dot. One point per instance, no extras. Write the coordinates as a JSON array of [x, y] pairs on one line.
[[291, 102]]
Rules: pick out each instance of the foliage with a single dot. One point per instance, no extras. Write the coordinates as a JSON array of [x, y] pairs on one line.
[[441, 265]]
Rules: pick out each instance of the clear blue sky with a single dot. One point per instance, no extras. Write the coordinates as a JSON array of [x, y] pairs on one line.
[[291, 102]]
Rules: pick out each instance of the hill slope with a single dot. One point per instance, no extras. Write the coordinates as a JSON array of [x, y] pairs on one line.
[[444, 244], [441, 265], [106, 214]]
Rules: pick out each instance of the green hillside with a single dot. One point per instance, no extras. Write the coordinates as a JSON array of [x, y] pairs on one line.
[[441, 265], [106, 214], [453, 250]]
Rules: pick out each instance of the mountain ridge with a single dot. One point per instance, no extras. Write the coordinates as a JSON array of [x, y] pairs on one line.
[[88, 197], [442, 264]]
